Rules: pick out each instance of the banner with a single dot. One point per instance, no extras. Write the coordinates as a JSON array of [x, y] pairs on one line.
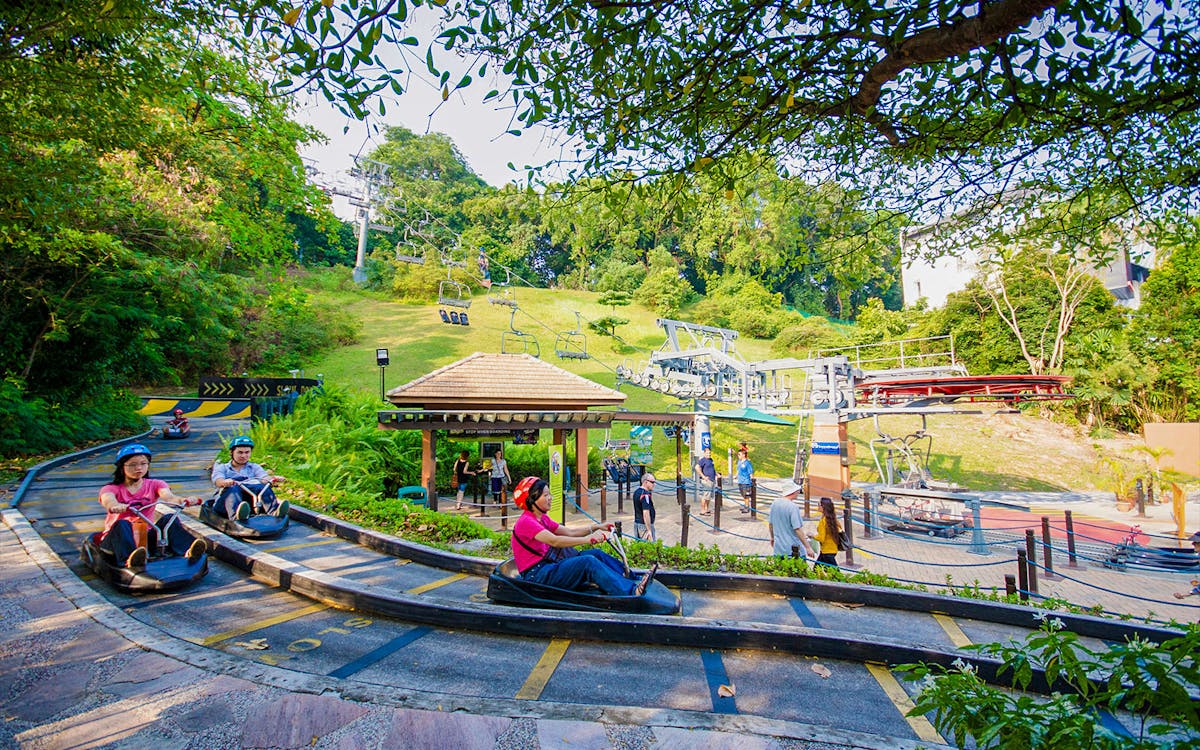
[[554, 477]]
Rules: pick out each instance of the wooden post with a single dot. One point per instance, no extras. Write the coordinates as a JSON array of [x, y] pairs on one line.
[[753, 497], [685, 510], [504, 507], [429, 466], [1047, 549], [604, 502], [1023, 575], [1030, 558], [1141, 498], [1010, 584], [1072, 561]]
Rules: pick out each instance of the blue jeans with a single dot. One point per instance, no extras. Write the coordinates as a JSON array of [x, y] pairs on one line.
[[231, 497], [589, 566], [119, 539]]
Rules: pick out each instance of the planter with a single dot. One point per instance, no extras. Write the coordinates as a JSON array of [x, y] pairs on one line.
[[1124, 505]]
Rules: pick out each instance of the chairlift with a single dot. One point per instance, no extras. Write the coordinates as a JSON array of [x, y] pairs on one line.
[[501, 294], [416, 258], [571, 344], [514, 341], [454, 294]]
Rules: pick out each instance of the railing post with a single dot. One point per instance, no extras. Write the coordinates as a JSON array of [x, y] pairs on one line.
[[717, 498], [604, 502], [1030, 558], [1047, 549], [848, 527], [1141, 498], [685, 511], [753, 497], [1023, 575], [1068, 518], [621, 494], [503, 507], [978, 544], [1010, 584]]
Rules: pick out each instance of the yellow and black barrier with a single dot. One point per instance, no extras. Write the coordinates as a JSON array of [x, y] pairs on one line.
[[227, 408]]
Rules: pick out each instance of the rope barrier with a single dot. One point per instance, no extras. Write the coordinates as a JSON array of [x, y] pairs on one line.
[[876, 553], [1035, 564]]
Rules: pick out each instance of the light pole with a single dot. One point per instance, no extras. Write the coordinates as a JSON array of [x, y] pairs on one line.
[[381, 359]]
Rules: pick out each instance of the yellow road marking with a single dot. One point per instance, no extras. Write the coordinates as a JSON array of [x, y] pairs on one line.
[[957, 636], [85, 530], [891, 687], [209, 407], [277, 619], [437, 584], [543, 670], [302, 545]]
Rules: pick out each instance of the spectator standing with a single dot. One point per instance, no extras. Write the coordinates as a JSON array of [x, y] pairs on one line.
[[462, 470], [745, 477], [827, 533], [706, 471], [786, 523], [643, 509], [500, 476]]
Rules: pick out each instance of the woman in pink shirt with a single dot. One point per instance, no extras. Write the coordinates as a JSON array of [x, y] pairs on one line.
[[544, 549], [132, 487]]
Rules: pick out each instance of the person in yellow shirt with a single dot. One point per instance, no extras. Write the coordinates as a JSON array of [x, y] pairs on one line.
[[827, 533]]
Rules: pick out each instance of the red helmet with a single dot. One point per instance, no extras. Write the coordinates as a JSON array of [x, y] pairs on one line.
[[179, 412], [526, 488]]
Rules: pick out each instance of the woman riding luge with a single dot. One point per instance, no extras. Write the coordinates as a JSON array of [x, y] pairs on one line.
[[132, 487], [544, 549]]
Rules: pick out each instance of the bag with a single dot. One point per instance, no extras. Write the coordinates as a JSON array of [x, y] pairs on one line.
[[558, 554], [843, 541]]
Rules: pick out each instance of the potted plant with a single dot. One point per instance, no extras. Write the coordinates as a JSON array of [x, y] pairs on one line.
[[1116, 476]]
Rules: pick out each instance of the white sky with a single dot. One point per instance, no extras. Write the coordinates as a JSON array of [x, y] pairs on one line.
[[477, 129]]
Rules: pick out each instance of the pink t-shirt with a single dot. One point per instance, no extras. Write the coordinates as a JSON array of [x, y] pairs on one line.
[[145, 499], [527, 527]]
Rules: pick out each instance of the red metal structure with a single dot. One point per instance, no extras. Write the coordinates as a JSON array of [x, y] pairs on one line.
[[972, 388]]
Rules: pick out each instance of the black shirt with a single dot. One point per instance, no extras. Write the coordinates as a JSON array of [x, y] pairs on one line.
[[642, 500]]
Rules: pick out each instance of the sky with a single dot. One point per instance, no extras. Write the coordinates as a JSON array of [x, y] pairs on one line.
[[477, 129]]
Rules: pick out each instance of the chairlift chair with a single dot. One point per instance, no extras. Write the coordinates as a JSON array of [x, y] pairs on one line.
[[571, 344], [417, 258], [452, 293], [501, 294], [514, 341]]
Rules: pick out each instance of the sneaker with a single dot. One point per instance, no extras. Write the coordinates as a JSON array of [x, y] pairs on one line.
[[645, 580], [281, 511], [197, 549], [243, 512], [137, 559]]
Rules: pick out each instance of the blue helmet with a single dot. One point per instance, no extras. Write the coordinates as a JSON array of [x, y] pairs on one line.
[[133, 449], [241, 441]]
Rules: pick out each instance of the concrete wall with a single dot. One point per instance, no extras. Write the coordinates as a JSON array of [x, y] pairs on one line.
[[1182, 439]]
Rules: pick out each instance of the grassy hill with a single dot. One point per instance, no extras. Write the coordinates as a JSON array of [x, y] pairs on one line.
[[983, 452]]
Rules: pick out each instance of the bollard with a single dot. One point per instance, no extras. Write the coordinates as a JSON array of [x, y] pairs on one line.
[[1072, 562], [869, 514], [1030, 560], [1010, 584], [504, 508], [685, 510], [1141, 498], [978, 545], [717, 507], [617, 527], [795, 551], [621, 495], [1149, 492], [753, 498], [604, 502], [848, 527], [1047, 549], [1023, 575]]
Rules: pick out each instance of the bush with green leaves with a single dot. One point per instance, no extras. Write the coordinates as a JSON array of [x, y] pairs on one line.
[[1153, 682], [34, 425]]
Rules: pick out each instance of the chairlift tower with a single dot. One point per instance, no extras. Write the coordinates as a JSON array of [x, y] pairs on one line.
[[372, 176]]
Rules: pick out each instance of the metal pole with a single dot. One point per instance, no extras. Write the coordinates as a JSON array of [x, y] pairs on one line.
[[685, 511], [1030, 557], [717, 496], [1047, 549], [978, 544], [1072, 562], [869, 515]]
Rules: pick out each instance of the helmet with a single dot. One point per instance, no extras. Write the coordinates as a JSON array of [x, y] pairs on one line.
[[179, 412], [133, 449], [241, 441], [526, 488]]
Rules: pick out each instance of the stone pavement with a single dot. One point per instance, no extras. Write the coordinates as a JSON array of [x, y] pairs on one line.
[[77, 673]]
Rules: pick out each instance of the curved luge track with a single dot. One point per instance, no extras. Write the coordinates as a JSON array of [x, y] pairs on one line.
[[329, 599]]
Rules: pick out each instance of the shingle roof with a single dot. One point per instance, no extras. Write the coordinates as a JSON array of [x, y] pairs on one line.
[[513, 381]]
